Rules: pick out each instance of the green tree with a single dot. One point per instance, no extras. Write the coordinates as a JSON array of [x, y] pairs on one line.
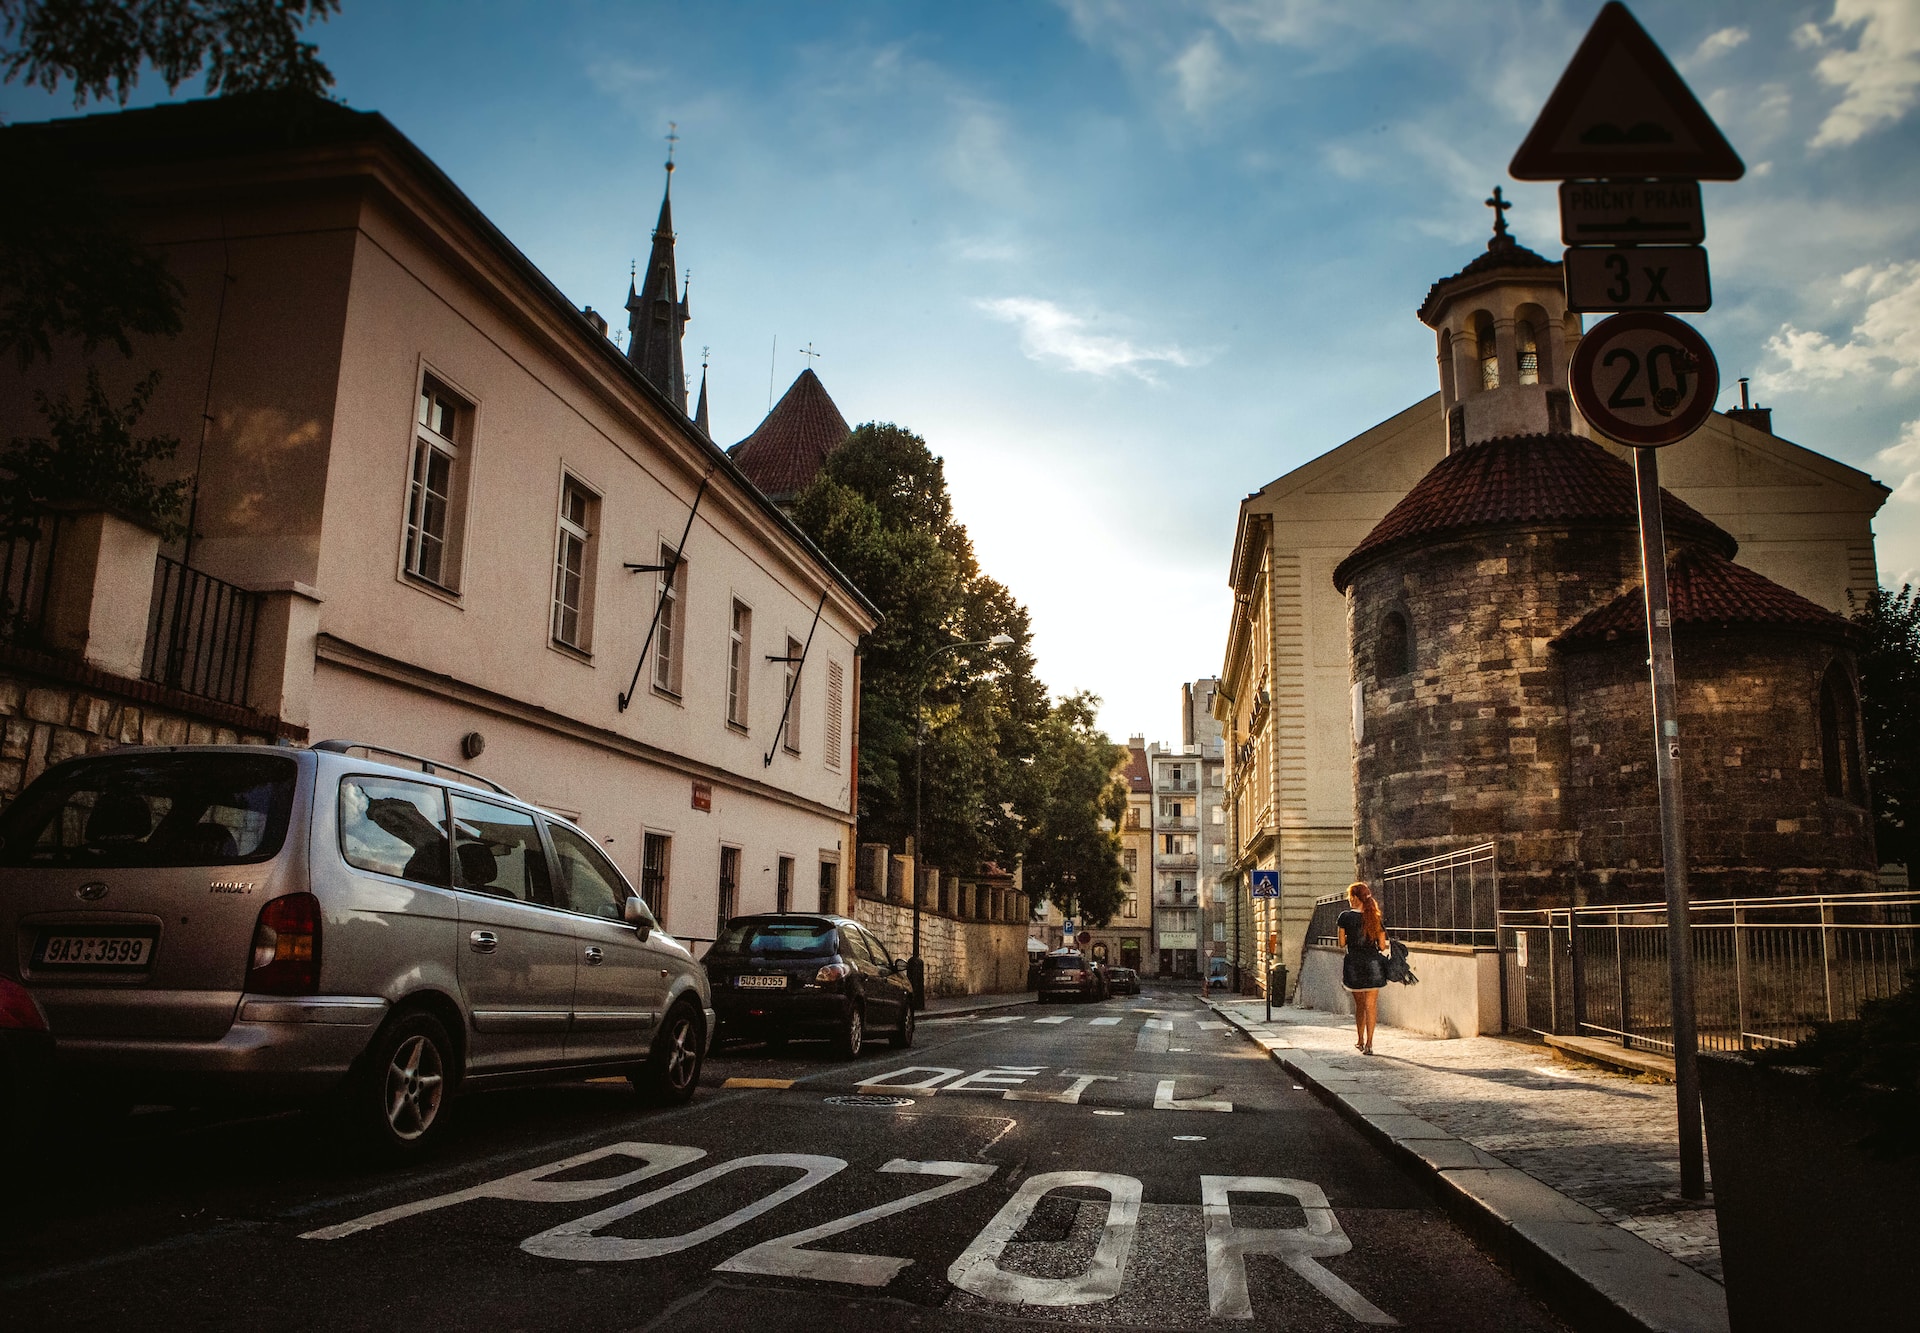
[[91, 455], [880, 510], [1889, 658], [1073, 855]]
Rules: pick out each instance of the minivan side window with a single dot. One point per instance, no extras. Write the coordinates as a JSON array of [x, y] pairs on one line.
[[394, 827], [588, 883], [497, 851]]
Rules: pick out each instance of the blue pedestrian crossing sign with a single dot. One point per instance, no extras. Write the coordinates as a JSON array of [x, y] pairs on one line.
[[1266, 883]]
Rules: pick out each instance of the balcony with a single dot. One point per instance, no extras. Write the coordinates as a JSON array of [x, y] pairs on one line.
[[1176, 861], [1181, 824], [1161, 784]]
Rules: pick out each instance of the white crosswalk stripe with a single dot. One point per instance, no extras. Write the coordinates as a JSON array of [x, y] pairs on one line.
[[1057, 1018], [1104, 1022]]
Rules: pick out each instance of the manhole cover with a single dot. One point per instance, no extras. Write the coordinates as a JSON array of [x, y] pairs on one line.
[[867, 1099]]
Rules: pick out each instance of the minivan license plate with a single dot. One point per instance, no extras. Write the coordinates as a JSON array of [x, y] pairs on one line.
[[95, 950], [761, 983]]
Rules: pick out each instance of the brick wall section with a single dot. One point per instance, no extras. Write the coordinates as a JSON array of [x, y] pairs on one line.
[[52, 714], [1472, 745], [1759, 820]]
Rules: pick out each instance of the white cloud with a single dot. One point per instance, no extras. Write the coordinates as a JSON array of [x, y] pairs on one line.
[[1888, 333], [1050, 334], [1900, 464], [1200, 73], [1879, 77], [1716, 44]]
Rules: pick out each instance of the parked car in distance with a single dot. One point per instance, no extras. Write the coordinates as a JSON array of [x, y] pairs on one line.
[[1123, 981], [777, 975], [210, 922], [1066, 975], [1219, 974]]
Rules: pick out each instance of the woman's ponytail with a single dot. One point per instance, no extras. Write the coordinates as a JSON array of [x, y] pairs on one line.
[[1371, 924]]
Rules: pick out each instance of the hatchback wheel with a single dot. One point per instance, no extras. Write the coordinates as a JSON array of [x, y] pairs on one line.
[[904, 1037], [672, 1072], [853, 1036], [398, 1100]]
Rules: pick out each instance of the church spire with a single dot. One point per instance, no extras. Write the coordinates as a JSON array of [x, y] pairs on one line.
[[656, 311], [700, 412]]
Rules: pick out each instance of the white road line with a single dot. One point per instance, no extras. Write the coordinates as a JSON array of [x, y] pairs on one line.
[[1057, 1018], [1164, 1100], [1012, 1018], [978, 1270], [1164, 1023], [1211, 1027], [1071, 1097], [1102, 1022]]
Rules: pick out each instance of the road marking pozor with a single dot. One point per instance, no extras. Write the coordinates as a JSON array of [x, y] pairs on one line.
[[978, 1270], [1299, 1248]]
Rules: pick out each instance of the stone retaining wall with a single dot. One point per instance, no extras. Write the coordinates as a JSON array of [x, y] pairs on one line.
[[962, 957]]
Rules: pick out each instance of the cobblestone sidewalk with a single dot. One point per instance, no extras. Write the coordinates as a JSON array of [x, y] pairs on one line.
[[1603, 1139]]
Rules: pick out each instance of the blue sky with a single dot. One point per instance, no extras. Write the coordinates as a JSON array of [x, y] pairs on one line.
[[1123, 261]]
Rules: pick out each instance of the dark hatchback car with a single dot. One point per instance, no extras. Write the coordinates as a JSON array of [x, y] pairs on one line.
[[1123, 981], [1064, 974], [781, 975]]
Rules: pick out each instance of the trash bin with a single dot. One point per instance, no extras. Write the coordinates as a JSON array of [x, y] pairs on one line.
[[1276, 987]]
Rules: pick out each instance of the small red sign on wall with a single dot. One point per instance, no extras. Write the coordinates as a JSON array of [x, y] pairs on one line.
[[702, 796]]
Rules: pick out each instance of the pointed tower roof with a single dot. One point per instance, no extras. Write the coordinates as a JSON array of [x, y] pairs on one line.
[[788, 448], [656, 312], [700, 412]]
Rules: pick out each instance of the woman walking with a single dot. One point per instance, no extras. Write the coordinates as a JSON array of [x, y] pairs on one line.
[[1364, 970]]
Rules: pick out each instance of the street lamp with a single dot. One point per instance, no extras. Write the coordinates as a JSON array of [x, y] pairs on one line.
[[916, 966]]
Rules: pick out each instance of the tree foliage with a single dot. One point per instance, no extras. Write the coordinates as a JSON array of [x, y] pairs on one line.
[[1889, 658], [1073, 853], [101, 46], [880, 510], [91, 456]]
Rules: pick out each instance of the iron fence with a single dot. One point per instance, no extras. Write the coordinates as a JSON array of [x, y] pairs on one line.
[[26, 574], [1323, 927], [1765, 969], [199, 633], [1451, 899]]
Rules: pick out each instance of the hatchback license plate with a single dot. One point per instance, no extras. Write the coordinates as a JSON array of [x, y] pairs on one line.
[[760, 983], [95, 950]]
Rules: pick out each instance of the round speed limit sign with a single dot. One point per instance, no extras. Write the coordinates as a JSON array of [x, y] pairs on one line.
[[1645, 379]]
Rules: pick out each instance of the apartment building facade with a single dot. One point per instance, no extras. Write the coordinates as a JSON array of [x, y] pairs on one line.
[[461, 522]]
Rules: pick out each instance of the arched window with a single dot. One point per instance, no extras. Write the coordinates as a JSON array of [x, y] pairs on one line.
[[1488, 352], [1528, 344], [1840, 736], [1393, 650]]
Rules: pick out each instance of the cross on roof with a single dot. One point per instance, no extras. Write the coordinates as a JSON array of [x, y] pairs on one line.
[[1499, 205], [673, 137], [808, 351]]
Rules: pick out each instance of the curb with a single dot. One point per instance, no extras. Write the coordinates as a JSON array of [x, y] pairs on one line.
[[987, 1005], [1595, 1275]]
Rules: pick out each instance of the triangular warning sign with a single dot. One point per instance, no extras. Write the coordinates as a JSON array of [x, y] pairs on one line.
[[1621, 109]]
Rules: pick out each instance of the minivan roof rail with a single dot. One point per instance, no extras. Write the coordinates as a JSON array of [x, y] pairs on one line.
[[430, 766]]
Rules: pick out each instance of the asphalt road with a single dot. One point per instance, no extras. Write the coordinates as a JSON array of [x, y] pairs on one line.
[[1127, 1164]]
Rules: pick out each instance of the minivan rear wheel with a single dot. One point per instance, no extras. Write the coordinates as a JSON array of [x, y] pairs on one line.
[[397, 1102]]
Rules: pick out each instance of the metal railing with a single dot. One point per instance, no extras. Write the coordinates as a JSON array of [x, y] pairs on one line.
[[1323, 928], [1176, 860], [26, 573], [1451, 899], [1765, 969], [199, 633]]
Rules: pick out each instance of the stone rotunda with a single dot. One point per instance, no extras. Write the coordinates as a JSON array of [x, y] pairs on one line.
[[1498, 645]]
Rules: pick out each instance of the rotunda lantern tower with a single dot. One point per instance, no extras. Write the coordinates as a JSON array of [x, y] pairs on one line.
[[1505, 340]]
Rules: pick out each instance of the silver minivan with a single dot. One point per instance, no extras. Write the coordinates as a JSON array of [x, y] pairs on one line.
[[200, 922]]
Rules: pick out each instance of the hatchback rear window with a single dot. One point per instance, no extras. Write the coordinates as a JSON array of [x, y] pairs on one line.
[[777, 939], [1068, 963], [152, 810]]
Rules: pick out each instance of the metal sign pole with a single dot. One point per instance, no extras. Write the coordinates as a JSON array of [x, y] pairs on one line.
[[1673, 842]]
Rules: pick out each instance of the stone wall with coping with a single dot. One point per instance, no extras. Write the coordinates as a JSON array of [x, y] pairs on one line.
[[1458, 994], [973, 934]]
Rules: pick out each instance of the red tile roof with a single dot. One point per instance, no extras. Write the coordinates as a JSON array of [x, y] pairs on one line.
[[1523, 479], [1704, 588], [787, 449], [1138, 779]]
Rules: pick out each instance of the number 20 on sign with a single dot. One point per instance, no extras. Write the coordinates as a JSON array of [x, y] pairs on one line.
[[1645, 379]]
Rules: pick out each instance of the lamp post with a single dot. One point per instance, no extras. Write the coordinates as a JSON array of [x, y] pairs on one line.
[[916, 966]]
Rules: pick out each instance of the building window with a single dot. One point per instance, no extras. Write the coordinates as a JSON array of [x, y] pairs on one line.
[[1133, 816], [1130, 858], [1220, 932], [729, 885], [739, 662], [1528, 344], [790, 734], [1487, 349], [573, 563], [1393, 650], [836, 711], [435, 490], [656, 857], [829, 886], [671, 588], [783, 885], [1219, 814], [1132, 909], [1840, 736]]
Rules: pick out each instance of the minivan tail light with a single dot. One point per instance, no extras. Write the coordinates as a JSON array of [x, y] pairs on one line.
[[286, 947], [831, 974], [18, 1009]]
